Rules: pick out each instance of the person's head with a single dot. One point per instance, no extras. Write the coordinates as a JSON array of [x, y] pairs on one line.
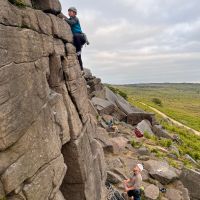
[[138, 168], [72, 11]]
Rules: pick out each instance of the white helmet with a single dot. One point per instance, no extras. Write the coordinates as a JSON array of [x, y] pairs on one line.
[[140, 166]]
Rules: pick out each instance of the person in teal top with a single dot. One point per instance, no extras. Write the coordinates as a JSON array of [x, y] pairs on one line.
[[79, 36]]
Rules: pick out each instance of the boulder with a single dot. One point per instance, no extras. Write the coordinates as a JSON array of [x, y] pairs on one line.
[[151, 192], [160, 132], [103, 106], [161, 171], [120, 102], [173, 194], [49, 6], [136, 117], [121, 142], [184, 191], [143, 127], [190, 180], [113, 178]]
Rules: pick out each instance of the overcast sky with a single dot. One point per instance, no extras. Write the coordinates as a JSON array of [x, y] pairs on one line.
[[137, 41]]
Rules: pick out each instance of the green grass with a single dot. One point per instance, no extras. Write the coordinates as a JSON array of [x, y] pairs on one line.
[[19, 3], [190, 142], [179, 101]]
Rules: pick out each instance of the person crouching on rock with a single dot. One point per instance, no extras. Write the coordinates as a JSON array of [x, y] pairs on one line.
[[79, 37], [132, 186]]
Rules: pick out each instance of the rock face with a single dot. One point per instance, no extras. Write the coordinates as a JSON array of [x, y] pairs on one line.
[[48, 148], [191, 180]]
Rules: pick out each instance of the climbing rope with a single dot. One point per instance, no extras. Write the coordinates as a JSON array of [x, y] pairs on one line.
[[112, 194]]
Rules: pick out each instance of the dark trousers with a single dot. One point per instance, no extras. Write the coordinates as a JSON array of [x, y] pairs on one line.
[[79, 41], [134, 193]]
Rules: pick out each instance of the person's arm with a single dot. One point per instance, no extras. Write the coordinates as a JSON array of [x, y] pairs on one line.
[[125, 184], [71, 21], [130, 188], [127, 180], [61, 15]]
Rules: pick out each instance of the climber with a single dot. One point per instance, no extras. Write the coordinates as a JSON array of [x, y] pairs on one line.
[[133, 185], [79, 37]]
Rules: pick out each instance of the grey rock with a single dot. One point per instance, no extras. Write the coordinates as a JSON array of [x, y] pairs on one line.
[[53, 173], [50, 6], [137, 116], [61, 29], [173, 194], [103, 106], [190, 180], [113, 178], [44, 107], [145, 127], [151, 192], [59, 196], [161, 171], [160, 132], [88, 73], [143, 151], [144, 158], [189, 158]]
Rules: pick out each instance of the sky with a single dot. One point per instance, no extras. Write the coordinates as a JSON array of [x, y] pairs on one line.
[[141, 41]]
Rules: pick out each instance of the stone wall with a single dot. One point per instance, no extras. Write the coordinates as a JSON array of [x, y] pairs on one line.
[[47, 134]]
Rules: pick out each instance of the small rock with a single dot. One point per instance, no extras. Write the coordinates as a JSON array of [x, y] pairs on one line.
[[189, 158], [143, 151], [160, 132], [143, 158], [173, 194], [174, 149], [151, 192]]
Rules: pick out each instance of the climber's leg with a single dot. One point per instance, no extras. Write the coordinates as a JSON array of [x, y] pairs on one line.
[[80, 60], [78, 45]]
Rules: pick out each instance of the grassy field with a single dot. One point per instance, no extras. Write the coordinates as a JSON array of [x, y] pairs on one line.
[[179, 101]]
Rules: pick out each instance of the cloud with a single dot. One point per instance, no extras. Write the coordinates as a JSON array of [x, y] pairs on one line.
[[141, 40]]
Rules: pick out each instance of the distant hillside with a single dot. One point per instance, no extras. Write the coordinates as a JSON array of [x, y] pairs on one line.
[[180, 101]]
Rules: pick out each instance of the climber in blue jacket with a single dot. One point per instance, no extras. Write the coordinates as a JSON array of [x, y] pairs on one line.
[[79, 37]]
